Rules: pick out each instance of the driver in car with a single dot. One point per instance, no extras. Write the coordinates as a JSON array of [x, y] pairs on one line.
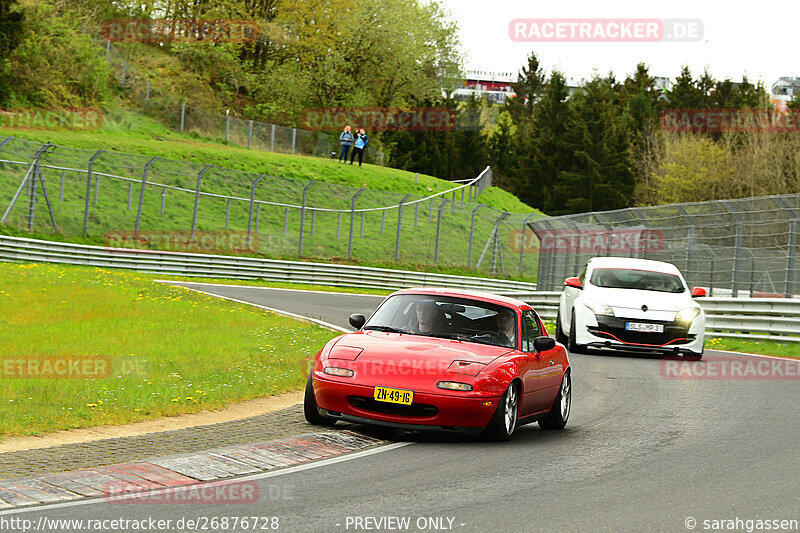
[[429, 318], [505, 325]]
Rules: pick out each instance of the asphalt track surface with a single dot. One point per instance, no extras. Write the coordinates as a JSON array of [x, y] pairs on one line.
[[640, 453]]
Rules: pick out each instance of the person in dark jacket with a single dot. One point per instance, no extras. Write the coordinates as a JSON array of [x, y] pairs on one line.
[[360, 146], [346, 138]]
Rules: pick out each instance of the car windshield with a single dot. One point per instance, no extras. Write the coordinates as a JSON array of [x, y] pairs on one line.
[[625, 278], [446, 317]]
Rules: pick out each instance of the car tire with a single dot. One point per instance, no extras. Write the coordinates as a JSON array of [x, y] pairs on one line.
[[311, 410], [560, 337], [504, 420], [573, 346], [559, 413]]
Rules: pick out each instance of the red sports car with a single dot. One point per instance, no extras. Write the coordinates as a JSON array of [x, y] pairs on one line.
[[449, 360]]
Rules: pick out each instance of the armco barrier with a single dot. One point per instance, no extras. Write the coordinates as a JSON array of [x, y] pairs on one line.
[[748, 318], [238, 267]]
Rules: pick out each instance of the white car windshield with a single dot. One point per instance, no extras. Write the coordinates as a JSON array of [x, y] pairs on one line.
[[446, 317], [624, 278]]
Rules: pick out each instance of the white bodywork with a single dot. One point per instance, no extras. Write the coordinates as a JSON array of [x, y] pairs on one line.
[[627, 305]]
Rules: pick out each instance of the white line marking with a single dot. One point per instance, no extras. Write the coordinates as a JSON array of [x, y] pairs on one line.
[[756, 354], [262, 475], [277, 311], [173, 282]]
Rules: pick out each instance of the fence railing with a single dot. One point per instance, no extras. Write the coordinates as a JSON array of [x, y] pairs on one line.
[[748, 318], [238, 267], [177, 115], [46, 188]]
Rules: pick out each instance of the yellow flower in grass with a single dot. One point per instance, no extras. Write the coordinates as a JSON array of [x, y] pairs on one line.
[[91, 405], [176, 399]]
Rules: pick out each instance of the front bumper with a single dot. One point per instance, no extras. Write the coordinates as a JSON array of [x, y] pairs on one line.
[[610, 332], [353, 402]]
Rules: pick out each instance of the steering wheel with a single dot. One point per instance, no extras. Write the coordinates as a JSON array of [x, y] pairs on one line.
[[488, 333]]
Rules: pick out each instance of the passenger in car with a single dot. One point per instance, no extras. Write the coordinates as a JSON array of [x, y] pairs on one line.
[[430, 318]]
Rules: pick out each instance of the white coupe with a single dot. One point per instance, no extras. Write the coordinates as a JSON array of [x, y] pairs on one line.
[[631, 304]]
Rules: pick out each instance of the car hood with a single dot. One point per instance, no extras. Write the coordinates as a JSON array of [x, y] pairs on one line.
[[374, 353], [634, 299]]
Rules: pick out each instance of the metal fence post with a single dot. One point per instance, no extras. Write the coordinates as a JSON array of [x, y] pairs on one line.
[[294, 137], [399, 227], [227, 125], [790, 260], [272, 139], [32, 197], [303, 218], [124, 71], [339, 226], [462, 197], [130, 195], [383, 221], [258, 216], [249, 132], [352, 221], [147, 97], [108, 48], [522, 242], [61, 191], [438, 231], [227, 214], [197, 199], [141, 195], [737, 252], [163, 199], [88, 191], [471, 234], [183, 114], [286, 221], [252, 204], [453, 206]]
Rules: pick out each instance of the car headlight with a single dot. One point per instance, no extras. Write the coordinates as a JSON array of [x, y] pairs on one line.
[[341, 372], [454, 385], [598, 308], [687, 315]]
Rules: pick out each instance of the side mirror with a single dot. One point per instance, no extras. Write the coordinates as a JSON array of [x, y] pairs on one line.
[[357, 320], [698, 292], [573, 282], [543, 344]]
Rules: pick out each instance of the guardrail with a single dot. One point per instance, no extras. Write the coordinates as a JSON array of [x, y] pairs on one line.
[[239, 267], [747, 318]]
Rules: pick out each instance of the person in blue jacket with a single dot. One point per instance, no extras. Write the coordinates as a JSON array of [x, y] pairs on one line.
[[346, 138], [360, 146]]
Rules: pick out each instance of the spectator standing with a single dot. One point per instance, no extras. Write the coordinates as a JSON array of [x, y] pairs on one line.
[[346, 138], [360, 146]]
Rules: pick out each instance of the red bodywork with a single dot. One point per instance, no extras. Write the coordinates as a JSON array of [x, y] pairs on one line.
[[417, 363]]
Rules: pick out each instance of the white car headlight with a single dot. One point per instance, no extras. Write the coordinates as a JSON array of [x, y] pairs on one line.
[[687, 315], [598, 308]]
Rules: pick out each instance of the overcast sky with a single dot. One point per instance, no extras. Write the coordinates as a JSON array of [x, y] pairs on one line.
[[759, 39]]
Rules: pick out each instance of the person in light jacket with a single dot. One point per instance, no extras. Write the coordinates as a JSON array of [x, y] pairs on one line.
[[361, 145], [346, 138]]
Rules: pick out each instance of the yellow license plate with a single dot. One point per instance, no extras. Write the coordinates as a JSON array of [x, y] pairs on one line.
[[384, 394]]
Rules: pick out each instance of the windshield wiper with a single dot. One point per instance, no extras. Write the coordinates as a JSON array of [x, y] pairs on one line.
[[388, 329]]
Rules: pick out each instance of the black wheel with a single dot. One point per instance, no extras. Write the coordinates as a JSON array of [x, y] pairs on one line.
[[573, 346], [311, 410], [559, 413], [560, 337], [504, 420]]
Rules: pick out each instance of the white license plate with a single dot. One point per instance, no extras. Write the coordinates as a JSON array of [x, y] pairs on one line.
[[644, 328]]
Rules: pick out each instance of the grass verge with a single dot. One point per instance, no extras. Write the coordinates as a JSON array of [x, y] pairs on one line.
[[150, 350]]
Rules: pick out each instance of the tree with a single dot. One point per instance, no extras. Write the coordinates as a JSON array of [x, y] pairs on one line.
[[599, 176], [530, 81], [10, 37], [685, 94]]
